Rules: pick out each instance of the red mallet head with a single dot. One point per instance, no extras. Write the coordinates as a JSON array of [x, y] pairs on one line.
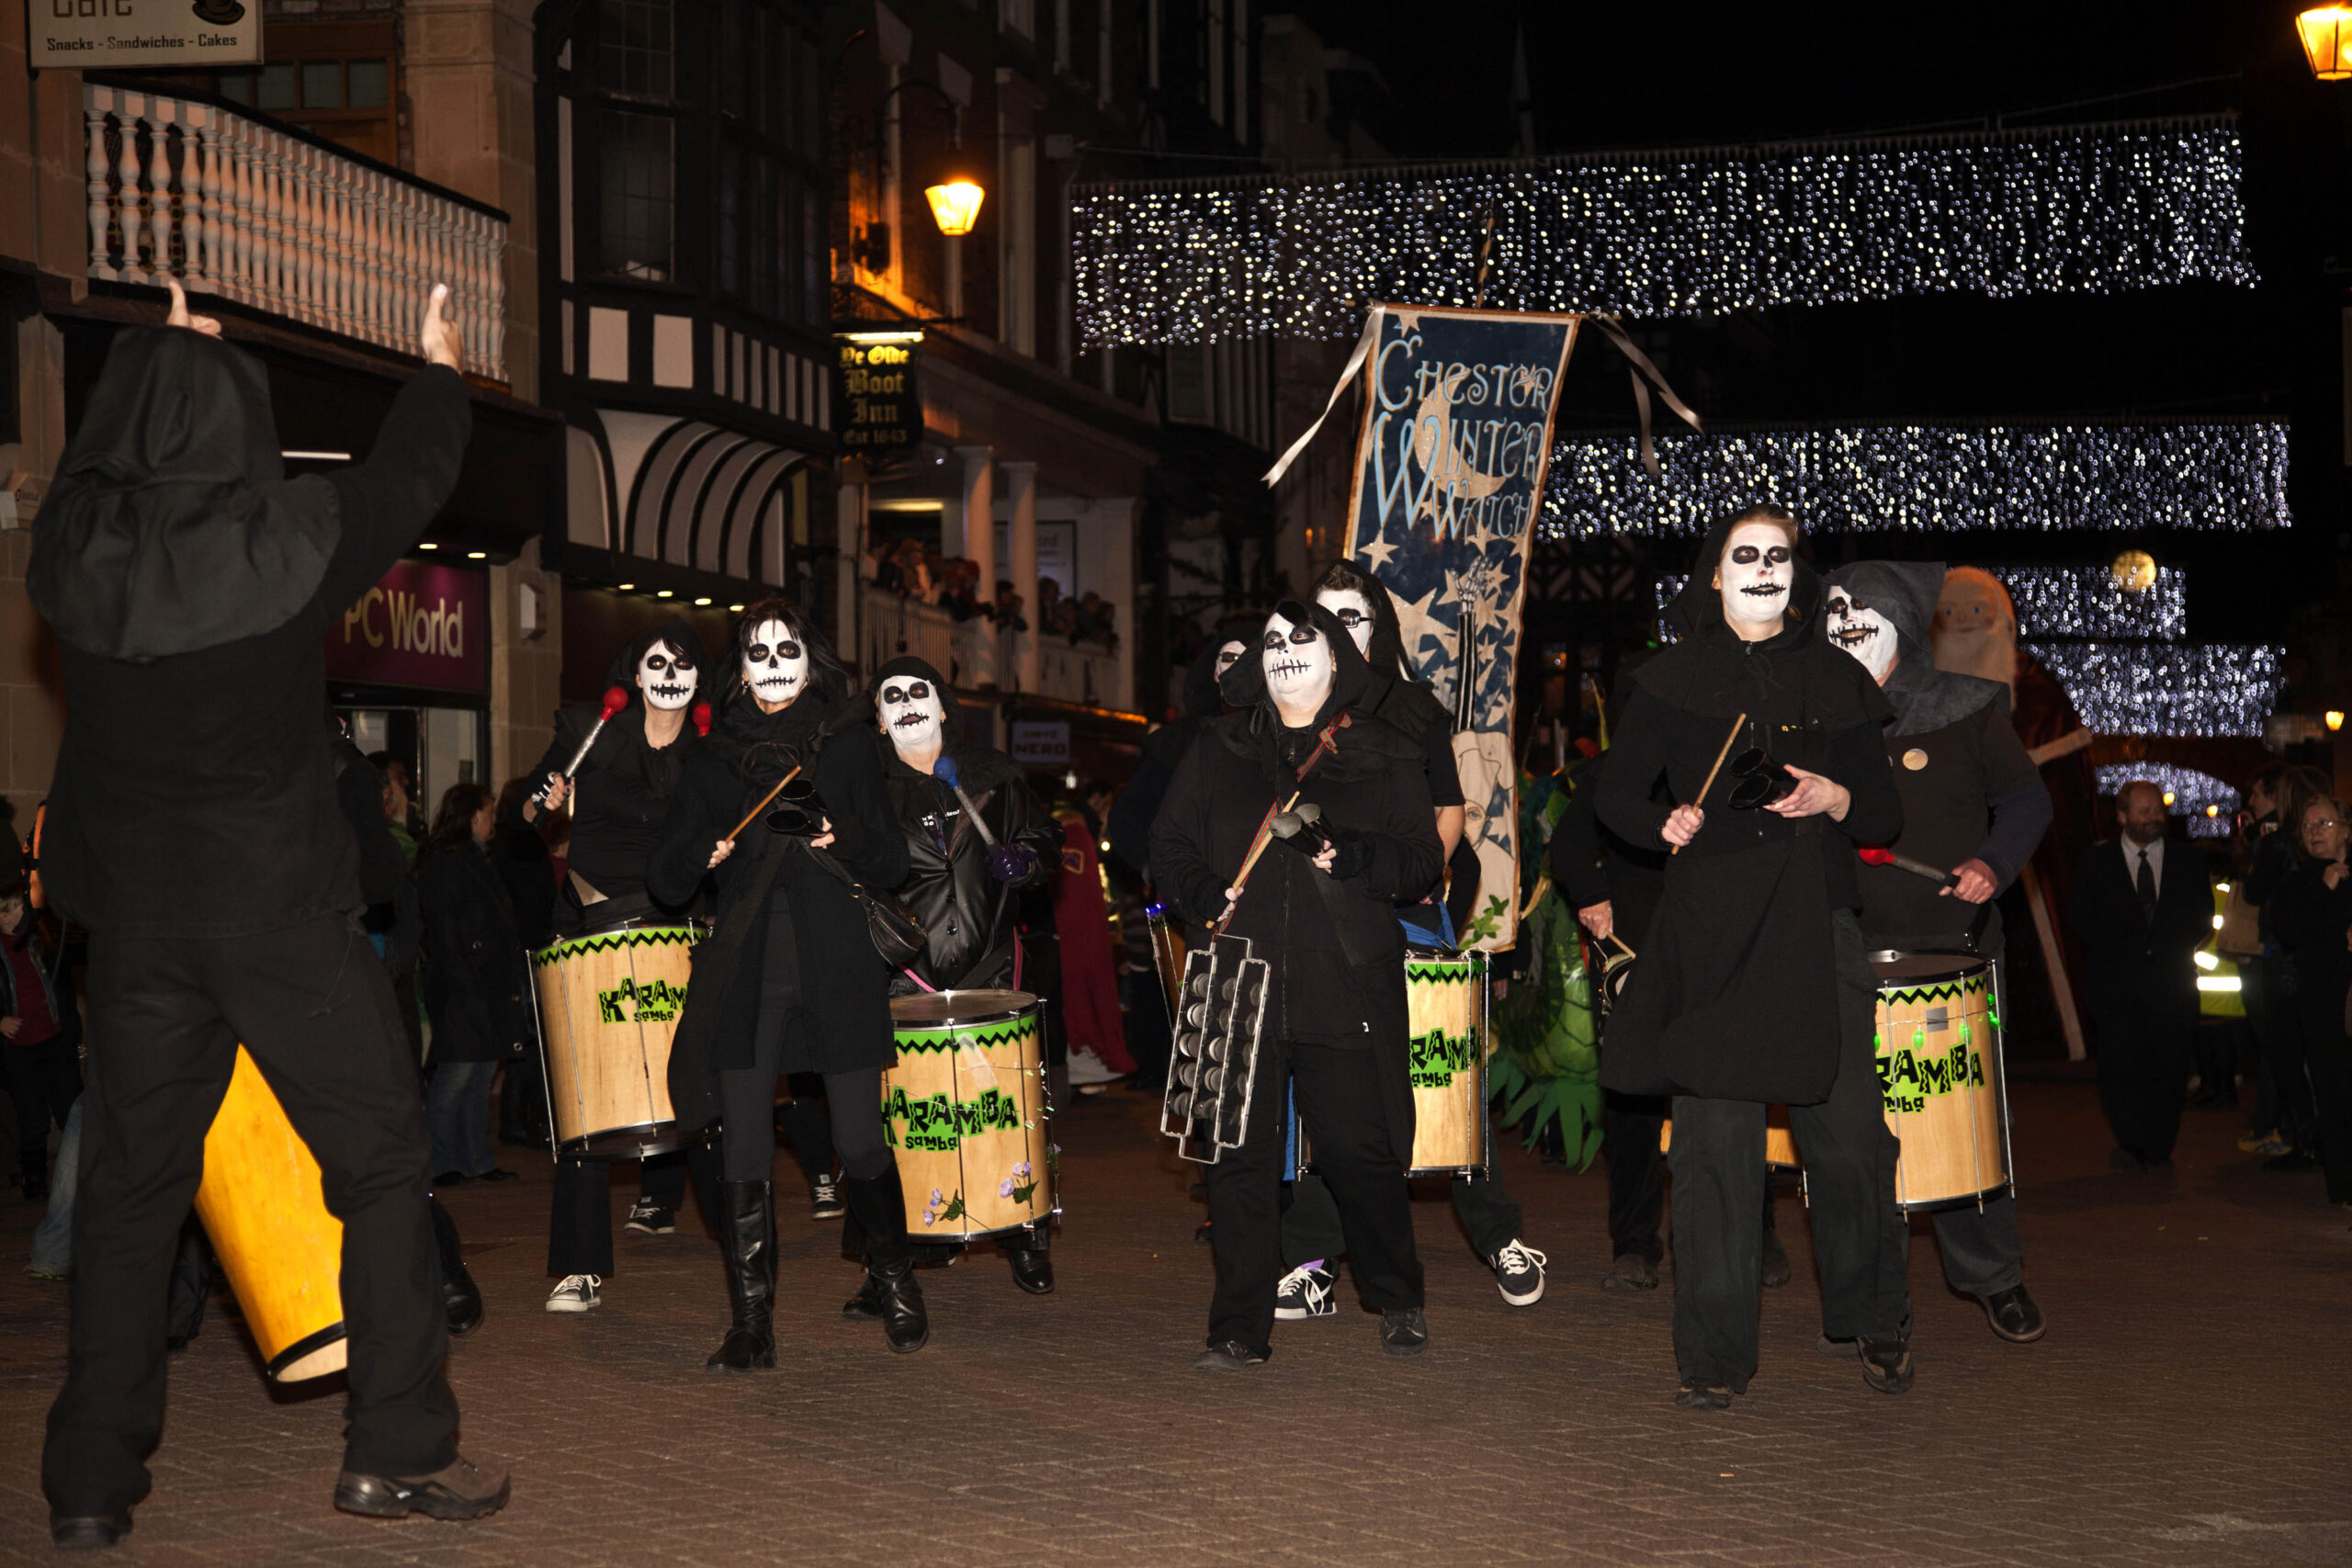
[[615, 700], [1876, 854], [702, 718]]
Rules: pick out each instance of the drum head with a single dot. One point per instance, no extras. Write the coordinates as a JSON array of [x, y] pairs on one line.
[[936, 1010], [1928, 967]]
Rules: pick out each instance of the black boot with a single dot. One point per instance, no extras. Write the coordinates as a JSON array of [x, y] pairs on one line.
[[879, 1213], [747, 1235], [1033, 1266], [460, 1297]]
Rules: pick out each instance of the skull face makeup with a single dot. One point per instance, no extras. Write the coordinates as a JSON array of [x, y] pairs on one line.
[[913, 716], [1228, 653], [666, 677], [774, 664], [1755, 573], [1867, 635], [1299, 664], [1354, 612]]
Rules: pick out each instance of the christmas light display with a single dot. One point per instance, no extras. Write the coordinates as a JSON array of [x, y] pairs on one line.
[[2099, 210], [1872, 478], [2083, 602], [2209, 805], [2158, 689]]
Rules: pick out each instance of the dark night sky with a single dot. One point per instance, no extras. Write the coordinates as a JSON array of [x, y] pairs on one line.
[[1653, 75]]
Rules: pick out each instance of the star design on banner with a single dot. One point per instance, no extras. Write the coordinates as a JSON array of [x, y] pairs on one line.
[[1416, 625], [1375, 555]]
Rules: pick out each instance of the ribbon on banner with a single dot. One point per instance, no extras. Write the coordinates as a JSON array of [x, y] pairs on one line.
[[1355, 363]]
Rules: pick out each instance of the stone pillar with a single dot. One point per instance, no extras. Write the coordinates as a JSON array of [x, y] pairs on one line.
[[1021, 544], [526, 670], [979, 547], [849, 587]]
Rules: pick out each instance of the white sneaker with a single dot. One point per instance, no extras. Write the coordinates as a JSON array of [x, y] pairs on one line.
[[1086, 1068], [1518, 1273], [577, 1293], [1305, 1292]]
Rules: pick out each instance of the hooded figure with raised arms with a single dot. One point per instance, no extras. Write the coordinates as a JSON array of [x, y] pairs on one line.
[[1752, 986]]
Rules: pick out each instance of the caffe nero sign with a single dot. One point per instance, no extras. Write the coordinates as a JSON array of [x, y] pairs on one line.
[[876, 405], [99, 34]]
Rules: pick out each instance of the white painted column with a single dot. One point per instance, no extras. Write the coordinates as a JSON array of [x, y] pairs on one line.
[[979, 547], [849, 592], [1021, 484]]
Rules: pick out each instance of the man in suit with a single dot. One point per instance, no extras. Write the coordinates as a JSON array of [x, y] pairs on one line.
[[2141, 906]]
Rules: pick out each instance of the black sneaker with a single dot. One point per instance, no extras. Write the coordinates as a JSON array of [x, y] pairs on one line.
[[1404, 1331], [2013, 1316], [649, 1218], [1232, 1356], [1631, 1273], [1305, 1292], [1886, 1362], [1703, 1393], [1518, 1273], [825, 1201]]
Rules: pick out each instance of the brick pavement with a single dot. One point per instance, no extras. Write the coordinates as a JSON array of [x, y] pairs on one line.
[[2185, 1408]]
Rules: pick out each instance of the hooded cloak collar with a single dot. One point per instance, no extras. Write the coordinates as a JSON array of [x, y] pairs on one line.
[[172, 527], [1712, 673], [978, 767], [763, 746], [1924, 697], [1255, 730]]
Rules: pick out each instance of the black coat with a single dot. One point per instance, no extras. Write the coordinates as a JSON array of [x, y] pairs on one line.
[[966, 914], [475, 973], [1734, 995], [622, 794], [384, 882], [193, 795], [58, 983], [844, 1018], [2129, 956], [2311, 919]]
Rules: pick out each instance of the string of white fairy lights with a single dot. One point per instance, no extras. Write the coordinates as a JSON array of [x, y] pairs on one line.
[[2208, 803], [1691, 233], [1867, 478]]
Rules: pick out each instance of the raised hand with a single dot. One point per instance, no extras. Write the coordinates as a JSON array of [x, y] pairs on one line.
[[181, 317], [437, 338]]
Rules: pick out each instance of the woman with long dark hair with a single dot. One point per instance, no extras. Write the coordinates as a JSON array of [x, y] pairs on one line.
[[474, 982], [789, 982]]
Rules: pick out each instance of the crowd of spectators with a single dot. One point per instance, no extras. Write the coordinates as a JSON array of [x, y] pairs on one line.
[[915, 571]]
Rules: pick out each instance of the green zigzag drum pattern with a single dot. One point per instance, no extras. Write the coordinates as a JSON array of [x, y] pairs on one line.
[[651, 936], [987, 1037], [1456, 974]]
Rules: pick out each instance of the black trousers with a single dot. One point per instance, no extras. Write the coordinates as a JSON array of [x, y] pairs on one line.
[[1630, 1125], [2270, 1011], [1312, 1233], [2328, 1055], [313, 1007], [44, 1080], [807, 1123], [2145, 1039], [1859, 1236], [579, 1217], [1340, 1103]]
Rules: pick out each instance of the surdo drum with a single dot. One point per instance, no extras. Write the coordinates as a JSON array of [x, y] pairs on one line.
[[262, 1206], [608, 1009], [1447, 1042], [965, 1111]]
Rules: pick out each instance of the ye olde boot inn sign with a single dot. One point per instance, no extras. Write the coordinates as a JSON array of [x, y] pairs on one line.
[[89, 35]]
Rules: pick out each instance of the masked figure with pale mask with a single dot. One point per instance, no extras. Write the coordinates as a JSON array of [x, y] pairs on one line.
[[1323, 916], [965, 888], [618, 796], [1971, 804], [1491, 1217], [1753, 986], [1129, 828], [789, 981]]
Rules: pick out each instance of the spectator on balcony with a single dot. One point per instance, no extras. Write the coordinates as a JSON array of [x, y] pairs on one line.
[[1050, 604], [1008, 608], [960, 597]]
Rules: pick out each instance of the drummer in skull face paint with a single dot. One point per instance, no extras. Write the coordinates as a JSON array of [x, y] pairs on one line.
[[1973, 801]]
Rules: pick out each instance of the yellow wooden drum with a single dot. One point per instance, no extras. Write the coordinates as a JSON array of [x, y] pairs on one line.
[[262, 1205], [965, 1113], [608, 1009], [1447, 1042], [1939, 1049], [1780, 1143]]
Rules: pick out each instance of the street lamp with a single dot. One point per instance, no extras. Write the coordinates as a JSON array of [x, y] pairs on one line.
[[2327, 40], [954, 207]]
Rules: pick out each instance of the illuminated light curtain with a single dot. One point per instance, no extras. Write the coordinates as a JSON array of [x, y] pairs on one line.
[[2096, 210]]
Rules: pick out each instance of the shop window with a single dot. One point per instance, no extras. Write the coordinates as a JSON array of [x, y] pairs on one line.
[[332, 79], [637, 48], [637, 180]]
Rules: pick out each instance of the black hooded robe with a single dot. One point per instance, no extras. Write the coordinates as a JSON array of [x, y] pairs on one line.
[[1734, 994], [966, 914]]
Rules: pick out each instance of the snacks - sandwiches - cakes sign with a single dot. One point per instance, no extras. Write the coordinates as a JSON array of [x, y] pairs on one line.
[[92, 34]]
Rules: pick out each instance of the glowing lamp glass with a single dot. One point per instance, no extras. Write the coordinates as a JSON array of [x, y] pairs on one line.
[[2335, 718], [2326, 32], [954, 207]]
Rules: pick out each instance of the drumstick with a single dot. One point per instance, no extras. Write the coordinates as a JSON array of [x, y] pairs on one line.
[[1329, 743], [1735, 725], [1620, 945], [615, 700], [762, 805], [1878, 854]]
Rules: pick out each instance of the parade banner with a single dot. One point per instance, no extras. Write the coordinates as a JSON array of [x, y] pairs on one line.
[[1449, 481]]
